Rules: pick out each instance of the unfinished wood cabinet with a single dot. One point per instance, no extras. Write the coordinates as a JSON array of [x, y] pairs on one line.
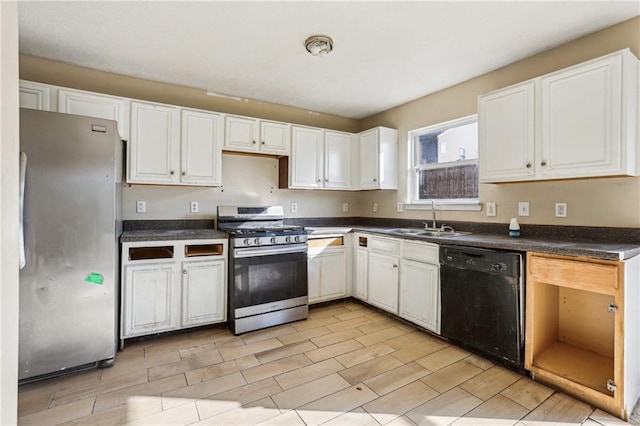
[[576, 337]]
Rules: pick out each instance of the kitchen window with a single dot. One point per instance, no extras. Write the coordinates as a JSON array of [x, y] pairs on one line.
[[444, 164]]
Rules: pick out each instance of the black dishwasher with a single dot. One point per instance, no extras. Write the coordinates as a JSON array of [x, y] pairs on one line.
[[482, 300]]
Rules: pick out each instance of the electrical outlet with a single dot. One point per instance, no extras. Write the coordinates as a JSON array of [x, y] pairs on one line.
[[399, 207], [375, 207], [523, 208], [194, 207], [141, 207], [345, 207], [294, 207], [561, 209], [491, 209]]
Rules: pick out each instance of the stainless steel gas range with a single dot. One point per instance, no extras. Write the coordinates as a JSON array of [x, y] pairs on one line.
[[267, 267]]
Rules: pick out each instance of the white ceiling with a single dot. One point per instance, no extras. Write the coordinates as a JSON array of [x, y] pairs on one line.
[[385, 53]]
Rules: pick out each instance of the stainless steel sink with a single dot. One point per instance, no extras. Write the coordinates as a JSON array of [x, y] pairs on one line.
[[421, 232]]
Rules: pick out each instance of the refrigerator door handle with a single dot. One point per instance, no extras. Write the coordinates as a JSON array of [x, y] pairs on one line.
[[23, 174]]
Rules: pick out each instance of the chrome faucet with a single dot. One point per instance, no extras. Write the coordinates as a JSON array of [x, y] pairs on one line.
[[433, 211]]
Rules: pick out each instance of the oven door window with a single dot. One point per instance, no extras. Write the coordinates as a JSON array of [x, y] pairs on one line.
[[265, 279]]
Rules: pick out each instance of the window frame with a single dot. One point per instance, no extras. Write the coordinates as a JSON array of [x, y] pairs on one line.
[[413, 202]]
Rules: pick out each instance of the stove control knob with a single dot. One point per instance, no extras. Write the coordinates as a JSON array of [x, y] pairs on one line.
[[273, 240], [287, 239], [257, 241], [247, 242], [297, 239]]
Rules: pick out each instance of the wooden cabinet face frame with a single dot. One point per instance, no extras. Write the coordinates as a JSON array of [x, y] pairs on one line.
[[574, 335]]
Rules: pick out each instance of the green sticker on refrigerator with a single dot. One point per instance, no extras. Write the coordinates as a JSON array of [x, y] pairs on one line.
[[94, 278]]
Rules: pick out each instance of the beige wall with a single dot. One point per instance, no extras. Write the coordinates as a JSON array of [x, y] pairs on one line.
[[601, 202], [249, 180], [66, 75], [593, 202], [9, 143]]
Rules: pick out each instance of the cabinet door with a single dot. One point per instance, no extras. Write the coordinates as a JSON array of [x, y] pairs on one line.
[[419, 294], [35, 96], [150, 299], [506, 134], [383, 282], [362, 274], [203, 292], [95, 105], [337, 160], [201, 159], [274, 138], [369, 160], [305, 163], [580, 120], [154, 148], [241, 134], [327, 274]]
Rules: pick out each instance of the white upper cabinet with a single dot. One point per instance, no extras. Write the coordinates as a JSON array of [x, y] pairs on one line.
[[320, 159], [201, 150], [154, 147], [337, 160], [96, 105], [378, 158], [305, 163], [35, 96], [251, 135], [582, 118], [582, 121], [506, 133], [275, 138], [174, 146]]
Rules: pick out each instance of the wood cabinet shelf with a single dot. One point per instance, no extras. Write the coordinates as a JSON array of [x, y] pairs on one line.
[[578, 365]]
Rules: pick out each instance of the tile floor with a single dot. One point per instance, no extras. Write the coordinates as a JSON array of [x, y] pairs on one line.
[[346, 365]]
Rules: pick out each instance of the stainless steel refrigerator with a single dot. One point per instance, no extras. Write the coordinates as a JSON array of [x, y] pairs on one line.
[[70, 186]]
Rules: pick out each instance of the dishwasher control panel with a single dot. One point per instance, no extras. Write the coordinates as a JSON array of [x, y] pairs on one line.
[[485, 260]]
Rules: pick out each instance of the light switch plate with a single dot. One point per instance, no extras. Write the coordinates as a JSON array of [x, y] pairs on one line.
[[345, 207], [399, 207], [141, 207], [523, 208], [491, 209]]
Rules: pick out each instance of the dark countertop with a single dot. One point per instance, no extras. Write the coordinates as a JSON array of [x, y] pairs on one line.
[[168, 230], [608, 250], [173, 234], [598, 243]]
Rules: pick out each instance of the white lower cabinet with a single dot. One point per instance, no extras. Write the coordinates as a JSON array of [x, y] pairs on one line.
[[361, 279], [327, 269], [169, 285], [383, 281], [419, 294], [399, 276], [150, 303], [203, 292]]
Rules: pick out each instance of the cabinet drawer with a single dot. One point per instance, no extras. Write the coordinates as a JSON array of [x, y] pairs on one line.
[[420, 252], [574, 273], [150, 253], [385, 245]]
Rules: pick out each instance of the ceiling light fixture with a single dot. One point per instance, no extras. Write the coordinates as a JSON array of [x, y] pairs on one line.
[[319, 45]]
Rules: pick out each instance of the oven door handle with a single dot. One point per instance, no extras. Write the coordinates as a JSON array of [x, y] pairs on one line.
[[261, 251]]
